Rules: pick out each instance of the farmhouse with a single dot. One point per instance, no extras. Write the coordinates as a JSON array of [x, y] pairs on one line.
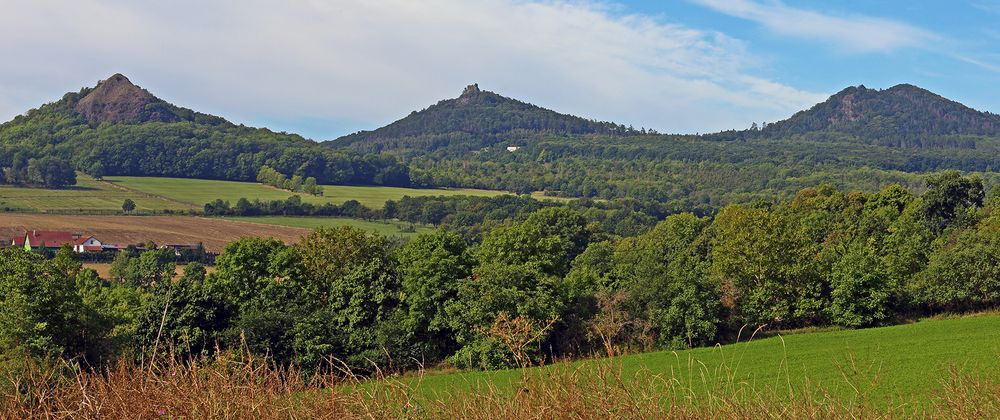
[[88, 244], [46, 239], [43, 239]]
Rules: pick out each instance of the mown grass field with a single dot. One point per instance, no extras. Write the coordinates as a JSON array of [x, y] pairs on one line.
[[87, 195], [902, 364], [385, 228], [156, 195], [197, 192]]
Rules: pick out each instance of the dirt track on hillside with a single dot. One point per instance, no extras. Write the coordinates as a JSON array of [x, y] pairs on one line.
[[123, 230]]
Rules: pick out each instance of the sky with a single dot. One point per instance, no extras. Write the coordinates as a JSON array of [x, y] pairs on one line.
[[325, 68]]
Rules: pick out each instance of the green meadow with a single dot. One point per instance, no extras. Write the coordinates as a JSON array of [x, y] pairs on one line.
[[385, 228], [200, 191], [153, 194], [88, 195], [903, 364]]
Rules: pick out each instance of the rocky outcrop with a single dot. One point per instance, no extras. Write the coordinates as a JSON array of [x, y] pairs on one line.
[[117, 100]]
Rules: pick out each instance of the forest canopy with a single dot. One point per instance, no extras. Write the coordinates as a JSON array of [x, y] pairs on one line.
[[824, 258]]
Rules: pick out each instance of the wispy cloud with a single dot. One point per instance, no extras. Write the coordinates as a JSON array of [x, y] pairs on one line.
[[848, 33], [976, 62], [359, 63], [990, 6]]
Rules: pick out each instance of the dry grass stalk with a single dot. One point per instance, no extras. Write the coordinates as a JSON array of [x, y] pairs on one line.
[[240, 387]]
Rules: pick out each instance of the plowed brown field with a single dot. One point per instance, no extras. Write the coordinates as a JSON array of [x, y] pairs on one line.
[[123, 230]]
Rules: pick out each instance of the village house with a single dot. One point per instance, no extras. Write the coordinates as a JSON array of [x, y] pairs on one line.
[[53, 240], [43, 239], [88, 244]]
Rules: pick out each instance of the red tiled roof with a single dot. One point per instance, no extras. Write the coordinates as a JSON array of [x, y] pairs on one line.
[[44, 238], [82, 239]]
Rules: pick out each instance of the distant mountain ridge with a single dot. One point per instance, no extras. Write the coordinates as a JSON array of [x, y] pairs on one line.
[[119, 128], [482, 114], [901, 113], [858, 138], [901, 116]]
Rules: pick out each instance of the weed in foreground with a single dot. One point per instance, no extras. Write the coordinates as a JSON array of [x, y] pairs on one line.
[[240, 387]]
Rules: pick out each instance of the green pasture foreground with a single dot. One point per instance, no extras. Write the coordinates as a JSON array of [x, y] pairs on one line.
[[87, 196], [200, 191], [385, 228], [904, 364]]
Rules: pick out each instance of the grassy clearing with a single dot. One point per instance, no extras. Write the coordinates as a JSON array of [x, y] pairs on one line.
[[87, 195], [385, 228], [240, 386], [200, 191], [153, 194], [540, 195], [897, 364]]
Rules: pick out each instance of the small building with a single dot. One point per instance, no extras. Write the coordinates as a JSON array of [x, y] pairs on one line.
[[44, 239], [179, 248], [88, 244], [513, 148], [53, 240]]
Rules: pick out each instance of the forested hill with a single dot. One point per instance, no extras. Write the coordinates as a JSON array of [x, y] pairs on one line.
[[118, 128], [901, 116], [474, 120], [858, 139]]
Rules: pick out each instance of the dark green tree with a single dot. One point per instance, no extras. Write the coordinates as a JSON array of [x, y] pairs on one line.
[[862, 292], [431, 267], [128, 206], [50, 172]]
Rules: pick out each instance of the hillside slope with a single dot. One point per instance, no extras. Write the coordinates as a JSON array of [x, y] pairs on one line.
[[117, 100], [475, 119], [118, 128], [897, 364], [904, 116], [859, 138]]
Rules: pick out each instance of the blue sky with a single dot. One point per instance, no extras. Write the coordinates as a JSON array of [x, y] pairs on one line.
[[959, 32], [328, 68]]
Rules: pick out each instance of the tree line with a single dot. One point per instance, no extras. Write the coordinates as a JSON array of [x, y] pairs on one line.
[[47, 172], [291, 206], [467, 215], [296, 183], [549, 285]]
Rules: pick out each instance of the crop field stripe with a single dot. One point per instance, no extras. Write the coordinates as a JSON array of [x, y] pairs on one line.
[[88, 195], [199, 191]]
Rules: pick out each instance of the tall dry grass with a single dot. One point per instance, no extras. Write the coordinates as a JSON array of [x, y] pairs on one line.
[[242, 387]]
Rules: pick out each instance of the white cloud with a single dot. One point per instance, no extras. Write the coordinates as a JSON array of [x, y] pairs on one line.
[[854, 33], [363, 63]]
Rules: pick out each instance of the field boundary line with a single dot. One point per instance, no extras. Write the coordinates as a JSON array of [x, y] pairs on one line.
[[148, 194]]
